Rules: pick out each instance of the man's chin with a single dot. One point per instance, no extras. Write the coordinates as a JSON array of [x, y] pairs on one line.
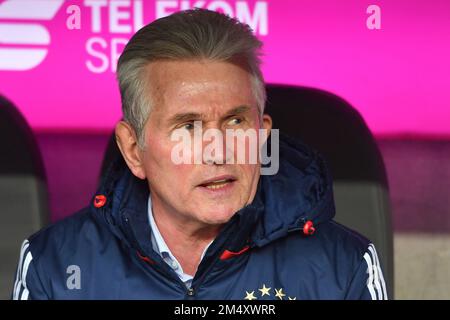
[[214, 217]]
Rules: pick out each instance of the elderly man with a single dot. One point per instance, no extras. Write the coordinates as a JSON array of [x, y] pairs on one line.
[[208, 227]]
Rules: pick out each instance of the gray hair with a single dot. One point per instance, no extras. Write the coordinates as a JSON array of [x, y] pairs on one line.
[[190, 34]]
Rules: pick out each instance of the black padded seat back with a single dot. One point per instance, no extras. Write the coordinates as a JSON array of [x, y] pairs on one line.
[[333, 127], [23, 191]]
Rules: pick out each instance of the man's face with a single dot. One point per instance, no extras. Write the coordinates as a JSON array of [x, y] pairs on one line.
[[219, 94]]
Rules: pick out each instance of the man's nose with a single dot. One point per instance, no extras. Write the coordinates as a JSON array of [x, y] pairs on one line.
[[215, 149]]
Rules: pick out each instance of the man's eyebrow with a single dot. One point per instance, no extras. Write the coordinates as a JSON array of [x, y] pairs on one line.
[[184, 117], [237, 111], [192, 116]]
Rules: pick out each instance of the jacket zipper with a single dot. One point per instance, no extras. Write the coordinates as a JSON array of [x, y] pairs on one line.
[[199, 282]]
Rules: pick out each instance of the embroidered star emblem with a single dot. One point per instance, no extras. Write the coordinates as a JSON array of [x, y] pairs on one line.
[[250, 296], [264, 291], [279, 293]]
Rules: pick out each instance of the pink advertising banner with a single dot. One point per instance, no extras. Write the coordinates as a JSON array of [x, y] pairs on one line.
[[389, 59]]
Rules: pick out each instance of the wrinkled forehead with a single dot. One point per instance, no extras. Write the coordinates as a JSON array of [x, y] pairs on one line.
[[202, 86]]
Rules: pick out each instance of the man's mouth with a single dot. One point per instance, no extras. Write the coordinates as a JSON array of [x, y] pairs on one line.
[[218, 182]]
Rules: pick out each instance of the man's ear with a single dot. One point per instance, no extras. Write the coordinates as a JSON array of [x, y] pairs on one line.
[[267, 123], [128, 145]]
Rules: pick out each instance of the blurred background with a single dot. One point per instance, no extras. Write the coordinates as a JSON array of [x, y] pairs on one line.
[[389, 60]]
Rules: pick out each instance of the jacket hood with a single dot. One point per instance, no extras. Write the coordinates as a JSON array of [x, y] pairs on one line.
[[300, 191]]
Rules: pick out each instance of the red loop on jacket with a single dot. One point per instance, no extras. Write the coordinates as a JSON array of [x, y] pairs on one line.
[[99, 201], [308, 228], [229, 254], [146, 259]]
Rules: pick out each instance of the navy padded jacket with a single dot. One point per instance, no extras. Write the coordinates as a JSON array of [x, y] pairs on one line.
[[105, 252]]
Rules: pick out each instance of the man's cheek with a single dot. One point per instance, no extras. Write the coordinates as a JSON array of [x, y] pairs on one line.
[[163, 154]]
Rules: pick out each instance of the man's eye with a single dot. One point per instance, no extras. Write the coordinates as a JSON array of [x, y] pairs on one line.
[[188, 126], [234, 121]]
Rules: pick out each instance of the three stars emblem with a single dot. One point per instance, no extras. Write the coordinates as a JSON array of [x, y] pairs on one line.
[[265, 291]]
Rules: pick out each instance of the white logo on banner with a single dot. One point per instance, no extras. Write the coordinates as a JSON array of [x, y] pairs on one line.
[[125, 17], [15, 36]]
